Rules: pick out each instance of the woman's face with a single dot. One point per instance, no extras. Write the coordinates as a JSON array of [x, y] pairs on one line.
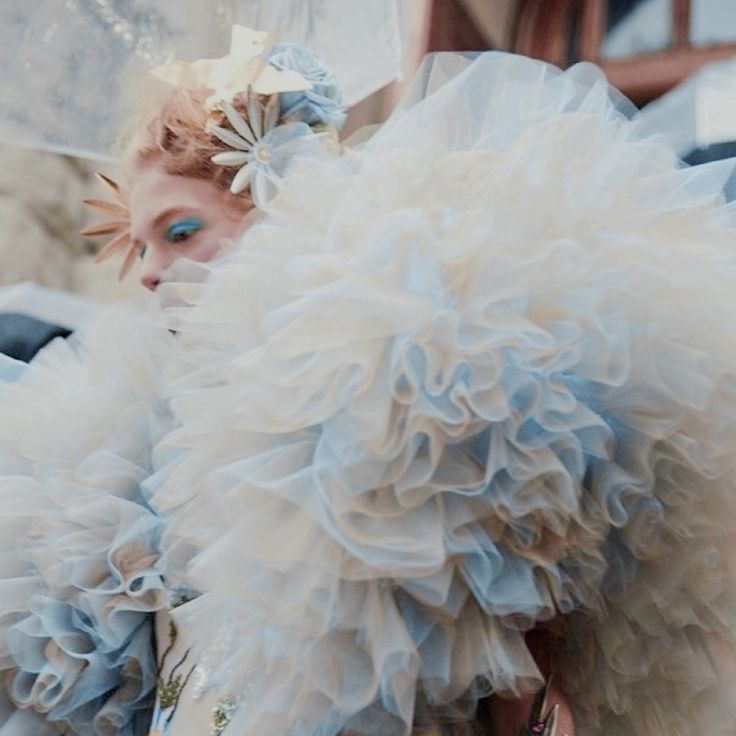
[[176, 217]]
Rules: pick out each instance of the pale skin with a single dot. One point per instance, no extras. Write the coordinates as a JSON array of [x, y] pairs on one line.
[[175, 217]]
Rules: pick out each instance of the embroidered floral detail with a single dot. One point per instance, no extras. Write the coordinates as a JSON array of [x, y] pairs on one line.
[[169, 690], [222, 714]]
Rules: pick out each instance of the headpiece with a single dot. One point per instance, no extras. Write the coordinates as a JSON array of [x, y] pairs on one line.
[[119, 227], [284, 86]]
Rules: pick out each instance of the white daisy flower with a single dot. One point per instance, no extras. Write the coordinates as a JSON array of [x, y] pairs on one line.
[[247, 137]]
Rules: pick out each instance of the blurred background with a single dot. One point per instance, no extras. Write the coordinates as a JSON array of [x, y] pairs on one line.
[[67, 67]]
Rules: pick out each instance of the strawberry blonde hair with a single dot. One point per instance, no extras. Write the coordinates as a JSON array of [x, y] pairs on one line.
[[175, 137]]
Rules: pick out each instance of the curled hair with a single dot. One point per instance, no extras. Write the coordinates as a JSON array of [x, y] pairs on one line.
[[176, 138]]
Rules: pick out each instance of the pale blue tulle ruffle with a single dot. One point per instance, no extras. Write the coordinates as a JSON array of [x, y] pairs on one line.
[[79, 546], [472, 378], [456, 386], [84, 654]]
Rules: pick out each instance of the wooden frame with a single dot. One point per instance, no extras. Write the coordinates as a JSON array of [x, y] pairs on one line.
[[562, 31]]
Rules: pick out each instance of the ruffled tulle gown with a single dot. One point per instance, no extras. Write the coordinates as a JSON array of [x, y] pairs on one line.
[[79, 543], [469, 379]]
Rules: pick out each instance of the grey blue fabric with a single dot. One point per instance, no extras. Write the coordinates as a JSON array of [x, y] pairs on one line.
[[22, 336]]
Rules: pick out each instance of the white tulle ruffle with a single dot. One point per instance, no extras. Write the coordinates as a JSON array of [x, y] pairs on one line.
[[78, 543], [475, 376]]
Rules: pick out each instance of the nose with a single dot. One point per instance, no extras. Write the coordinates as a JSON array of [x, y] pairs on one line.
[[155, 262], [150, 281]]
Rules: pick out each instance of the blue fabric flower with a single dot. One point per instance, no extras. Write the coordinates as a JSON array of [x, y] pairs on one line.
[[274, 154], [324, 102]]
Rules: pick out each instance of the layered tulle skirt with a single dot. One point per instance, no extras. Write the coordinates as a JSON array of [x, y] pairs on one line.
[[470, 379], [474, 378], [78, 543]]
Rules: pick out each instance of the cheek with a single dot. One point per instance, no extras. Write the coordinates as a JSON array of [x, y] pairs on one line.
[[213, 242], [205, 251]]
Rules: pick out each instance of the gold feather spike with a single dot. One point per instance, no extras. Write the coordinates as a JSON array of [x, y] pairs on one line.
[[104, 228], [109, 208], [113, 246], [113, 186], [119, 228]]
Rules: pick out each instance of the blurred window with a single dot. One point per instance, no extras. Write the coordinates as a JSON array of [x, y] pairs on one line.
[[712, 22], [636, 27], [645, 47]]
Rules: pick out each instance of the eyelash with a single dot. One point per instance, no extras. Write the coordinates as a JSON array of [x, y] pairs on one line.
[[181, 231]]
